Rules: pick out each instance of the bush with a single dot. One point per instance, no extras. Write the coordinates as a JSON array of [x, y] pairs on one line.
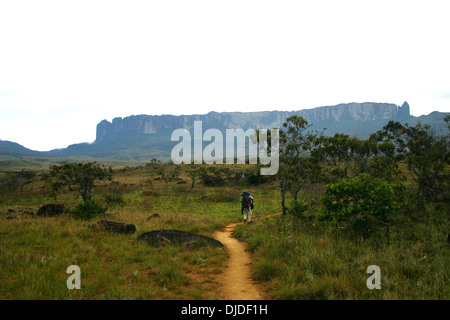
[[212, 177], [113, 201], [298, 208], [254, 179], [12, 180], [362, 202], [88, 210]]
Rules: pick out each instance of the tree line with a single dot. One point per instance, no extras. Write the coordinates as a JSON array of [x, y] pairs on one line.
[[362, 178]]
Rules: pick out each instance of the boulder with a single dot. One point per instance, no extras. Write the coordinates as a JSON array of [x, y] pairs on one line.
[[115, 227], [28, 211], [50, 210], [158, 238]]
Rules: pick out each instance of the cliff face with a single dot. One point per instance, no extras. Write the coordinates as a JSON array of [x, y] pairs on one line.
[[144, 137], [142, 125]]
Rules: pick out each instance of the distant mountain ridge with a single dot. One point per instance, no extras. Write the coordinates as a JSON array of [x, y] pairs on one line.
[[8, 148], [145, 124], [143, 137]]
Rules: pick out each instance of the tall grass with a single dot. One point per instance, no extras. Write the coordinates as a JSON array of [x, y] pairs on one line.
[[314, 260]]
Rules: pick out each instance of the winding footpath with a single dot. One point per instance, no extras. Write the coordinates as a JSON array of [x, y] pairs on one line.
[[236, 282]]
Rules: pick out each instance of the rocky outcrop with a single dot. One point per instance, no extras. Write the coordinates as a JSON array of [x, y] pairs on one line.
[[166, 237], [143, 137], [403, 111]]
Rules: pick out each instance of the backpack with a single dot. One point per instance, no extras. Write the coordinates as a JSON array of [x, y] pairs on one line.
[[246, 200]]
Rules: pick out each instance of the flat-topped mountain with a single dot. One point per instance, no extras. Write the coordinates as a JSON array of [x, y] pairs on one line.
[[154, 125], [144, 137]]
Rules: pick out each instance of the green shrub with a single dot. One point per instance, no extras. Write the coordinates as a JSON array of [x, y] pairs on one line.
[[212, 180], [362, 202], [298, 208], [113, 201], [88, 210], [254, 179]]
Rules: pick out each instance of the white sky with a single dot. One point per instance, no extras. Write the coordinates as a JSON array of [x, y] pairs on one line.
[[67, 65]]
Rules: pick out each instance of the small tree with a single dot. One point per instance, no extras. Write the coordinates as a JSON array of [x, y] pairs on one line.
[[425, 153], [303, 173], [384, 163], [194, 172], [294, 142], [13, 180], [80, 176]]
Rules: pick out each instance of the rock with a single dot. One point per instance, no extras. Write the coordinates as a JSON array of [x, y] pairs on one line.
[[115, 227], [50, 210], [28, 211], [153, 216], [181, 182], [164, 237]]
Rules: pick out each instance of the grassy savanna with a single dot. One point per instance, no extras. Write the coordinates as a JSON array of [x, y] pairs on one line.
[[36, 251], [347, 204], [296, 256]]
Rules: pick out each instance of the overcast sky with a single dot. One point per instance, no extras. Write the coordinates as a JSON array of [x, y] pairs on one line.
[[67, 65]]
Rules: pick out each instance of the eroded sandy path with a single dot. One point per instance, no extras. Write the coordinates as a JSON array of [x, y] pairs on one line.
[[235, 282]]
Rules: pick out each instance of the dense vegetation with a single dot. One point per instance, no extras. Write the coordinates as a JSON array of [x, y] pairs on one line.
[[347, 204], [381, 201]]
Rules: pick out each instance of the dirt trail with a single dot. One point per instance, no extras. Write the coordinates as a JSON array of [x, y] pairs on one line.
[[236, 282]]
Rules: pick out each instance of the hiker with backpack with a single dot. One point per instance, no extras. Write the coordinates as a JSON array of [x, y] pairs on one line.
[[247, 206]]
